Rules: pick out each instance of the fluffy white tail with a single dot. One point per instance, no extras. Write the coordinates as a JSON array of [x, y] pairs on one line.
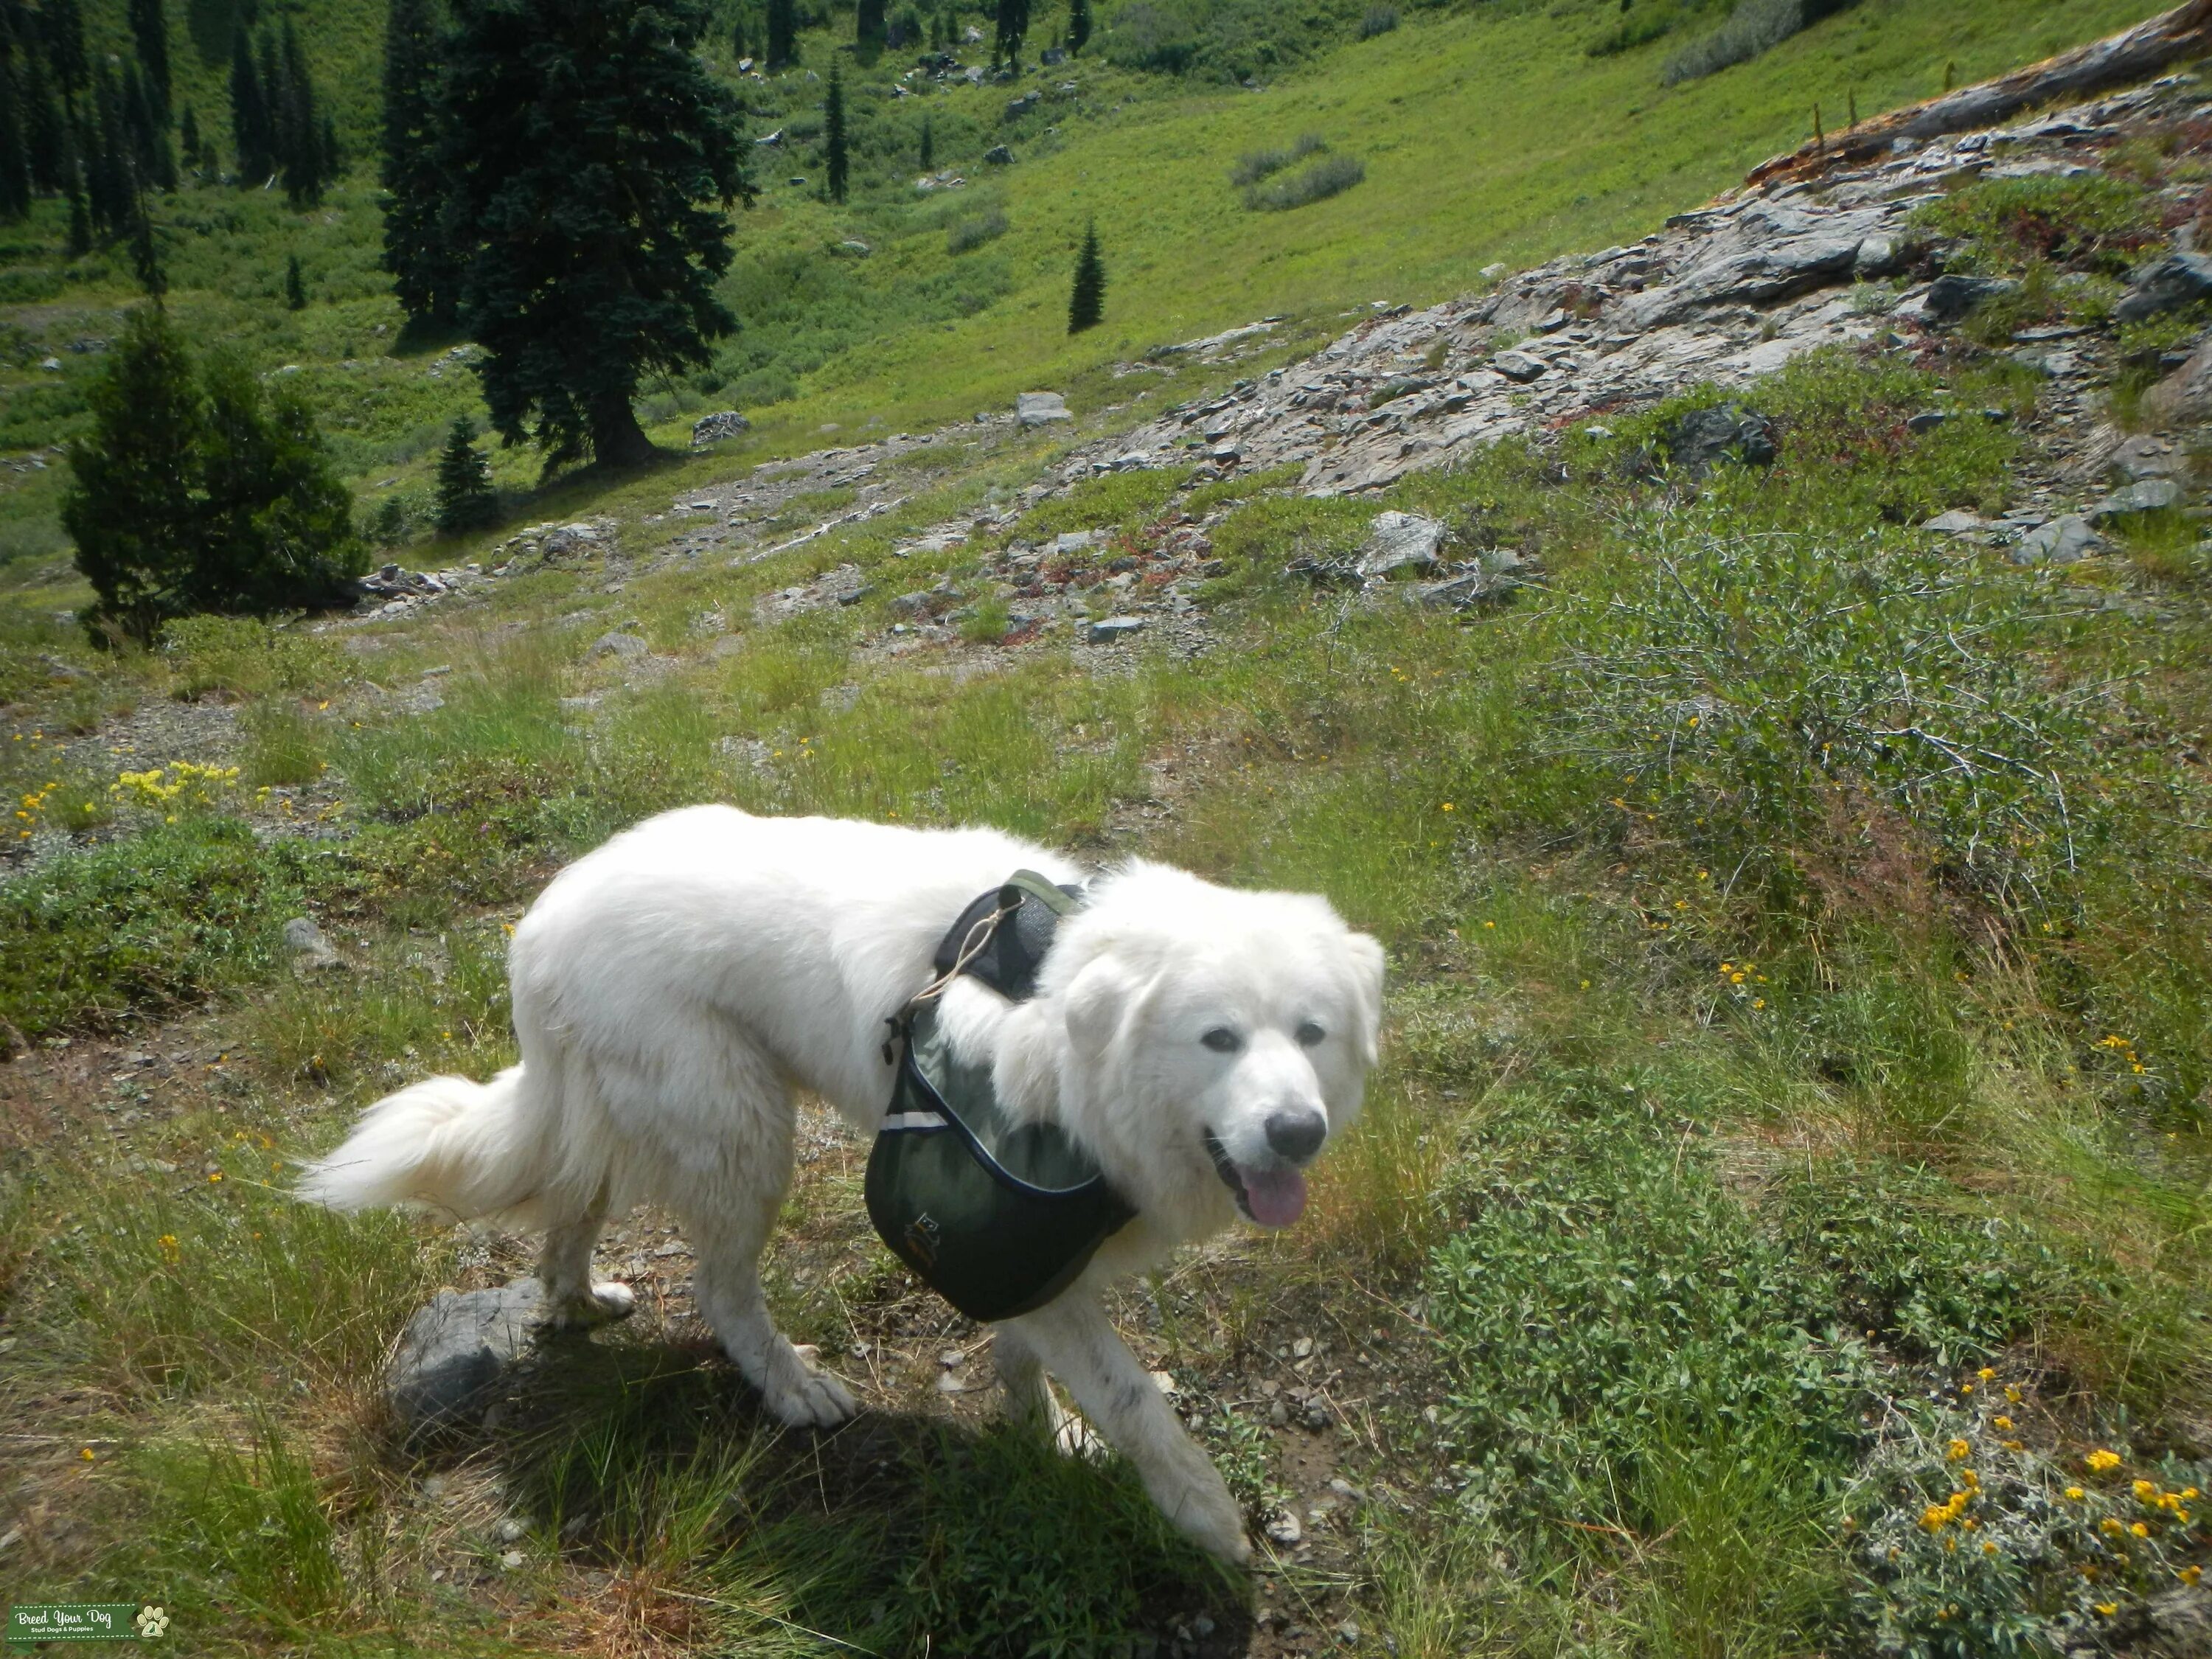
[[470, 1149]]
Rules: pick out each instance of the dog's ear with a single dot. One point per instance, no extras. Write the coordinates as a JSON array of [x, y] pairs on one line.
[[1368, 965], [1098, 1001]]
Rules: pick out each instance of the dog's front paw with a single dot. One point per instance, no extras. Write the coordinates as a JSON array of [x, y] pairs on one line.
[[1209, 1517], [804, 1398], [605, 1301]]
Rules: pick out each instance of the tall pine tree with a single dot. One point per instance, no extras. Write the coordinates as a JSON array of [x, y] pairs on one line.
[[14, 156], [1079, 24], [466, 500], [65, 55], [44, 136], [868, 28], [250, 134], [783, 32], [582, 143], [1013, 25], [416, 251], [299, 126], [835, 151], [149, 32], [1086, 301]]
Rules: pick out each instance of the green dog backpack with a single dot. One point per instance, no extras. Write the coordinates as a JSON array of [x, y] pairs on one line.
[[997, 1217]]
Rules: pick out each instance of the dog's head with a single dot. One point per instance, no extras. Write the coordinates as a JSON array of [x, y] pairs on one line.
[[1209, 1042]]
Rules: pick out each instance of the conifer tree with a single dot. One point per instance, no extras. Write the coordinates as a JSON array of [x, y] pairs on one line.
[[738, 39], [15, 159], [44, 136], [195, 491], [149, 32], [425, 276], [146, 253], [249, 115], [78, 242], [295, 286], [188, 137], [833, 135], [1086, 302], [783, 32], [110, 178], [928, 146], [65, 55], [1079, 24], [299, 127], [578, 139], [1013, 24], [868, 24], [466, 500]]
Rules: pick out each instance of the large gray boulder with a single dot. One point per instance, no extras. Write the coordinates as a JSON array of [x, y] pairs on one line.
[[1951, 298], [713, 429], [1703, 438], [2166, 284], [2067, 540], [453, 1352], [1399, 541], [2184, 397], [1036, 408]]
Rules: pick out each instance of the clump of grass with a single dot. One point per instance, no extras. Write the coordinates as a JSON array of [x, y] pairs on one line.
[[95, 937], [972, 233], [283, 745], [244, 657], [1331, 175], [1377, 20], [2092, 223], [987, 623], [1755, 27], [1257, 164]]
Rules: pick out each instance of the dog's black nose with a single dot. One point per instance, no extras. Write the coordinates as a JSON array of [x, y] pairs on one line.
[[1296, 1132]]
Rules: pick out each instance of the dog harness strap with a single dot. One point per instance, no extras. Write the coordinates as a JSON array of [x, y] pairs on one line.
[[997, 1216]]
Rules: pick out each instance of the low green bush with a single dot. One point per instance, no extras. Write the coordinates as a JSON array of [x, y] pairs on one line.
[[1332, 175]]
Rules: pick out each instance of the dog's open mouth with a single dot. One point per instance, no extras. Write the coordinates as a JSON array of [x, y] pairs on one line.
[[1274, 1197]]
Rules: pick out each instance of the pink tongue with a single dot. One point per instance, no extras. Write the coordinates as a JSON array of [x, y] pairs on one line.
[[1277, 1198]]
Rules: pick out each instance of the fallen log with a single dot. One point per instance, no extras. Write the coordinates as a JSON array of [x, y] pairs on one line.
[[2133, 55]]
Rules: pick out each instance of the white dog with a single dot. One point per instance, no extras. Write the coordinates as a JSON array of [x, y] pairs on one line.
[[672, 989]]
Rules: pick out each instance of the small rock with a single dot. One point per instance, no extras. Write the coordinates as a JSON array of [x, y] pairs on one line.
[[1109, 629], [1036, 408], [2163, 285], [1928, 420], [1317, 1416], [1348, 1632], [1492, 273], [855, 247], [1284, 1528], [1399, 541], [628, 647], [1701, 440], [951, 1357], [713, 429], [453, 1351], [1303, 1348], [2180, 1623], [1950, 298], [512, 1530], [2148, 495], [1519, 365], [1279, 1414], [511, 1560], [949, 1383], [1074, 541], [2065, 540], [1957, 522], [310, 947], [999, 156], [1165, 1381]]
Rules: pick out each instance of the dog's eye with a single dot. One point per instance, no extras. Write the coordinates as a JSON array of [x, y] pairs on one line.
[[1310, 1035], [1222, 1040]]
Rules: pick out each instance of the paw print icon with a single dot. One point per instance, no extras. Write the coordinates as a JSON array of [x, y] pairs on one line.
[[151, 1622]]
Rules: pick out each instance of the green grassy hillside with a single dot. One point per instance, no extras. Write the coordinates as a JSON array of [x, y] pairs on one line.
[[1489, 133]]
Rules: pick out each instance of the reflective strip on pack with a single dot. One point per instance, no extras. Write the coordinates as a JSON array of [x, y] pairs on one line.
[[915, 1121]]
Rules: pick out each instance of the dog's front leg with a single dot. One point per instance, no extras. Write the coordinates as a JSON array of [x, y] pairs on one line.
[[1078, 1344]]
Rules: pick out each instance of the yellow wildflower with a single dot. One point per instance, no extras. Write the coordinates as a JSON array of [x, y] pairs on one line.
[[2100, 1459], [1959, 1451]]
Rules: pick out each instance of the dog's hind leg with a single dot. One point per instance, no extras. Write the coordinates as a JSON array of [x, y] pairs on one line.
[[573, 1297], [728, 1185]]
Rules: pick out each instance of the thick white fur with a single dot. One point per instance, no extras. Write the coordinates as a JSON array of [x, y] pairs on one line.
[[674, 987]]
